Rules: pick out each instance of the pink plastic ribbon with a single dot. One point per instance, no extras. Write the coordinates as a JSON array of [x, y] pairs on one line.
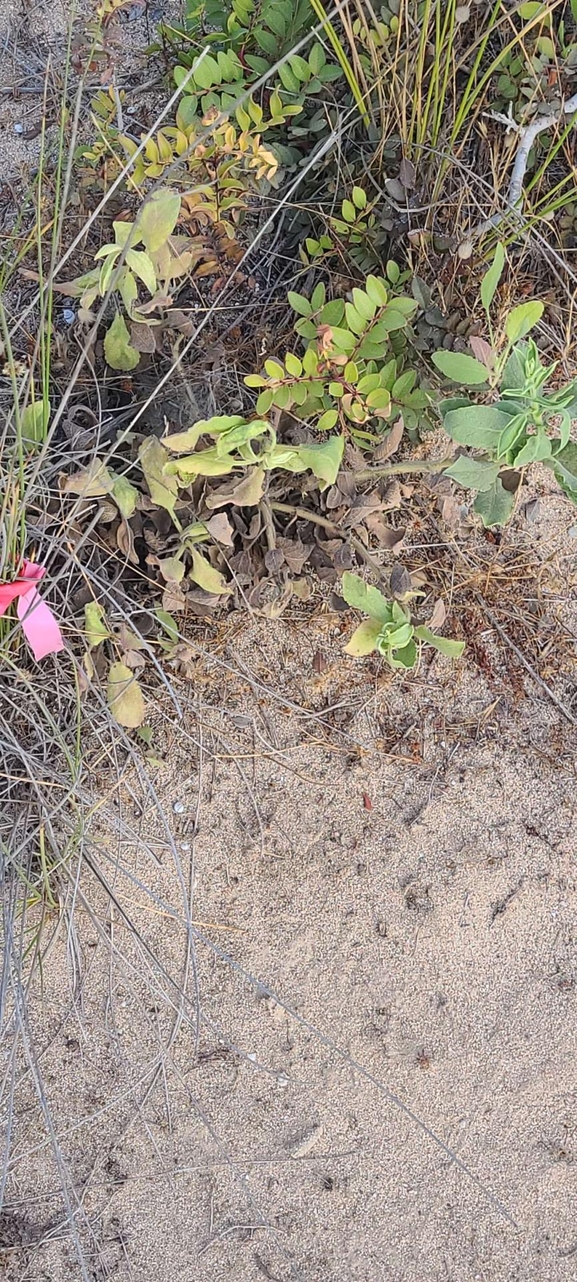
[[38, 623]]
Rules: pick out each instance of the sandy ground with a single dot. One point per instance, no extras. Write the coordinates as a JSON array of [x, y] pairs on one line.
[[357, 1062], [370, 1075]]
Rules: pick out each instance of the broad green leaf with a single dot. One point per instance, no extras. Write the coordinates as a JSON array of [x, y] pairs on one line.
[[158, 218], [564, 465], [492, 277], [324, 459], [460, 368], [513, 376], [94, 626], [125, 234], [163, 489], [535, 450], [207, 74], [363, 596], [124, 697], [494, 506], [472, 473], [364, 306], [293, 365], [299, 303], [522, 319], [34, 423], [327, 420], [377, 290], [118, 350], [206, 576], [477, 425], [359, 198], [364, 638], [128, 289], [317, 59], [142, 267], [405, 658], [125, 495], [452, 649]]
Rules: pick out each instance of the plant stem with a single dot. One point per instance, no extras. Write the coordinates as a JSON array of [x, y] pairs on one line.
[[397, 469]]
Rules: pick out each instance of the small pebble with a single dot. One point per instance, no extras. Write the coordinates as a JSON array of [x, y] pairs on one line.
[[178, 807], [185, 845], [251, 1055]]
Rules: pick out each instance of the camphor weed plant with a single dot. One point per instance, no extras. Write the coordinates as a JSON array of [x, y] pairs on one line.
[[389, 629], [523, 424]]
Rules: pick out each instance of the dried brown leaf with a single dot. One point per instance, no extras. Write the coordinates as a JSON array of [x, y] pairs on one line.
[[391, 442], [221, 529], [438, 616]]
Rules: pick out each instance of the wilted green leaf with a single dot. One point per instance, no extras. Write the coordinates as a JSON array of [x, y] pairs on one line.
[[206, 576], [492, 277], [363, 596], [158, 218], [473, 474], [181, 442], [171, 569], [324, 459], [364, 638], [494, 506], [94, 625], [452, 649], [124, 696], [522, 319], [125, 495], [118, 350], [246, 492], [163, 489], [460, 368]]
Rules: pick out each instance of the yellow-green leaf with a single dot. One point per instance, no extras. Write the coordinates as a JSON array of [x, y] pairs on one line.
[[522, 319], [124, 697], [206, 576], [94, 625], [118, 350], [125, 495], [364, 638], [163, 488], [158, 219]]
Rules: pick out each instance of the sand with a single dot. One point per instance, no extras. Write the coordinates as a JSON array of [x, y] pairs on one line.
[[358, 1063]]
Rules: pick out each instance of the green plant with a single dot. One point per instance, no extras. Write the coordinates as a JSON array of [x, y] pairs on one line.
[[525, 424], [353, 370], [232, 451], [246, 39], [389, 629], [164, 259]]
